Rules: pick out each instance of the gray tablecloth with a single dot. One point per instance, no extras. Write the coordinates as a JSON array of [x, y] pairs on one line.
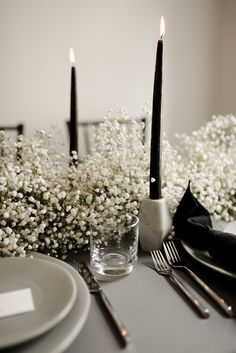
[[158, 317]]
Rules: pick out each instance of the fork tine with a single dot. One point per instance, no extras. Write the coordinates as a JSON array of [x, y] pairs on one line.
[[158, 260], [175, 257], [162, 260], [175, 251], [155, 261], [168, 253], [163, 268], [179, 264]]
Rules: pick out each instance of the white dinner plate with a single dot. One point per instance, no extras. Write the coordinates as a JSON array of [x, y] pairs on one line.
[[204, 257], [62, 335], [53, 291]]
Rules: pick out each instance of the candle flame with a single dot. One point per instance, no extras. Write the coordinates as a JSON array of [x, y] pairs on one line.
[[162, 27], [72, 56]]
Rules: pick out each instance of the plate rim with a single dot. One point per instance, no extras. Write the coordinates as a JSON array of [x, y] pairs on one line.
[[193, 253], [56, 318], [61, 336]]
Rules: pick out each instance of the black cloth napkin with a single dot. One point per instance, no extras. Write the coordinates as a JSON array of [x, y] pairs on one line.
[[192, 223]]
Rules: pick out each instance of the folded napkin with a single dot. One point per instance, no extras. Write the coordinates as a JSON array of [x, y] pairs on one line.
[[192, 223]]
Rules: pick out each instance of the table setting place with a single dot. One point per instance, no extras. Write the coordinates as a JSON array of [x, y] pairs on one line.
[[45, 302], [132, 249]]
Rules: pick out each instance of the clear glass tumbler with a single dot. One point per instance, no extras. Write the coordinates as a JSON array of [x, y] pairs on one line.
[[114, 250]]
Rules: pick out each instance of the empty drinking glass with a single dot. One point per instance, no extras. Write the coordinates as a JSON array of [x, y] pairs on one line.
[[114, 249]]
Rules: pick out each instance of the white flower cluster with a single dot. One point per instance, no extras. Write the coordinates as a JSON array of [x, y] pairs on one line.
[[38, 206], [47, 204], [207, 158], [113, 180]]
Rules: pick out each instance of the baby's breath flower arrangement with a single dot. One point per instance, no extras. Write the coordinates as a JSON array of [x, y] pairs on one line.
[[113, 179], [38, 205], [208, 158], [47, 203]]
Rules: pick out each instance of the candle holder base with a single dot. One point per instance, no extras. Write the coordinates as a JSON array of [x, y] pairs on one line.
[[154, 223]]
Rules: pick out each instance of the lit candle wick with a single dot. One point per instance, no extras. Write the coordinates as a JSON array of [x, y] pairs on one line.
[[162, 27], [72, 56]]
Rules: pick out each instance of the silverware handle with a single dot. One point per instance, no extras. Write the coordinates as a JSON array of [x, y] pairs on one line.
[[122, 330], [204, 312], [217, 299]]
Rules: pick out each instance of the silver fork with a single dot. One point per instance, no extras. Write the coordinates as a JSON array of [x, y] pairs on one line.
[[175, 261], [163, 268]]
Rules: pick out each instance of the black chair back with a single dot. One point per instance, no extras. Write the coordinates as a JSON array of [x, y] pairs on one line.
[[19, 129]]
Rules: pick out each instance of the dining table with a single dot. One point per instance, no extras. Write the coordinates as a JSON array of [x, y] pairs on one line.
[[157, 315]]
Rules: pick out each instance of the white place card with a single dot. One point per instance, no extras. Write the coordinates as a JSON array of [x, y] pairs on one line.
[[16, 302]]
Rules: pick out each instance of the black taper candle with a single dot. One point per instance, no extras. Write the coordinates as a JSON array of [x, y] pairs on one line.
[[73, 113], [155, 158]]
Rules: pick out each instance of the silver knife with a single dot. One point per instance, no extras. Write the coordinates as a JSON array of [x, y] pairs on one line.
[[95, 288]]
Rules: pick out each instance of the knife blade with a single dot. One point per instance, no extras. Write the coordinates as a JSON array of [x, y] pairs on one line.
[[95, 288]]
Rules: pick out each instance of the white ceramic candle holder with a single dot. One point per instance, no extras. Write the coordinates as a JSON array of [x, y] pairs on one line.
[[154, 223]]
